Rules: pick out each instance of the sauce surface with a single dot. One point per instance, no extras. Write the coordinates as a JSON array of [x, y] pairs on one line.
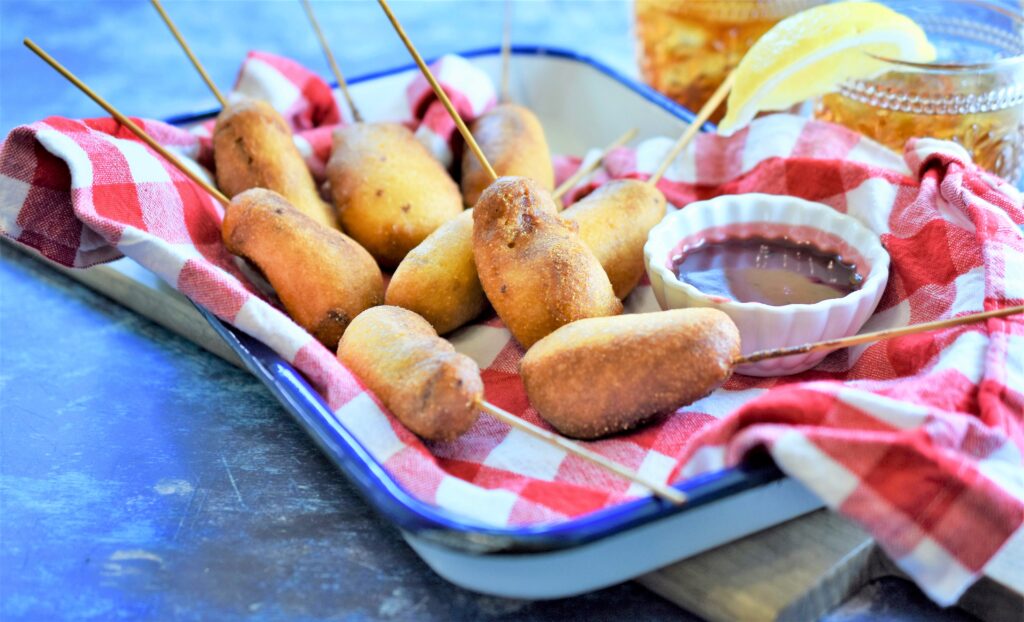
[[771, 271]]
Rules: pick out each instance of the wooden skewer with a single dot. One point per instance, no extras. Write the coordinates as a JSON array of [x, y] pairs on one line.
[[691, 131], [667, 493], [506, 51], [845, 342], [332, 62], [188, 52], [670, 494], [135, 129], [583, 171], [441, 95]]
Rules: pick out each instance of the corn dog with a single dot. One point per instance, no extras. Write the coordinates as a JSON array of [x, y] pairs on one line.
[[614, 221], [253, 148], [389, 192], [604, 375], [513, 140], [534, 268], [420, 378], [438, 279], [323, 277]]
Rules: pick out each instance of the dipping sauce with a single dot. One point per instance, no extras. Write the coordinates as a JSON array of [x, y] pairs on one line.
[[770, 271]]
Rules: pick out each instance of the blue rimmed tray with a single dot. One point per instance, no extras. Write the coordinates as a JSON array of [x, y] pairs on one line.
[[557, 559]]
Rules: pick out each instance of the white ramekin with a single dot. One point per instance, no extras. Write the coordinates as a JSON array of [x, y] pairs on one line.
[[764, 326]]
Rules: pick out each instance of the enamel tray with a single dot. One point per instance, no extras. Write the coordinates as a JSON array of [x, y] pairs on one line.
[[582, 104]]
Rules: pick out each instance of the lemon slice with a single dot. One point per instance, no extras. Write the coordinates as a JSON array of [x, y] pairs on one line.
[[810, 53]]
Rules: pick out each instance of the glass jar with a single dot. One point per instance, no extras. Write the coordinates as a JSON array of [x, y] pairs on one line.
[[973, 93], [688, 47]]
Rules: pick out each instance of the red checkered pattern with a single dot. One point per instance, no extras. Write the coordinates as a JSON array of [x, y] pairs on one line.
[[919, 439], [468, 88], [306, 103]]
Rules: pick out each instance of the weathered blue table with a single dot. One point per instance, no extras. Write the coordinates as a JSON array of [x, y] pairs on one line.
[[143, 478]]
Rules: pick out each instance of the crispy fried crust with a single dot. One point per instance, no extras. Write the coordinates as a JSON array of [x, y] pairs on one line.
[[323, 277], [614, 221], [253, 148], [438, 279], [600, 376], [418, 376], [513, 140], [389, 192], [536, 271]]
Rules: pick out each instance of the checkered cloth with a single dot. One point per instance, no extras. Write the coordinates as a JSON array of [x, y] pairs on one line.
[[918, 439]]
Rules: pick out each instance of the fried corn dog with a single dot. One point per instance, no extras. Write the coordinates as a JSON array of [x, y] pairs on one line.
[[513, 140], [614, 221], [535, 270], [420, 378], [389, 192], [253, 148], [438, 279], [604, 375], [323, 277]]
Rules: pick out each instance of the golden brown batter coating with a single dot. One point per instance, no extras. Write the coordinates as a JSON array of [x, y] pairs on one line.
[[537, 273], [438, 279], [253, 148], [389, 192], [418, 376], [323, 277], [604, 375], [614, 221], [513, 140]]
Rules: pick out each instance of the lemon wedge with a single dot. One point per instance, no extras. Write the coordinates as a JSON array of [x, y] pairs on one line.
[[810, 53]]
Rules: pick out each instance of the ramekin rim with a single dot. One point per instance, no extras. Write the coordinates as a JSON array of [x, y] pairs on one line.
[[876, 279]]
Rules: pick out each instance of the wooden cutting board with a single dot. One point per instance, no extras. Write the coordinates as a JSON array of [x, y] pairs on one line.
[[798, 570]]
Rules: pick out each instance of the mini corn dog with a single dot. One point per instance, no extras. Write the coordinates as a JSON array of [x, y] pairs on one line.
[[534, 268], [323, 277], [436, 392], [614, 221], [513, 140], [604, 375], [420, 378], [389, 192], [253, 148], [438, 279]]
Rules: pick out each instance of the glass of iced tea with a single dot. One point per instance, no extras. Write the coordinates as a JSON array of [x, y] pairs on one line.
[[972, 94], [688, 47]]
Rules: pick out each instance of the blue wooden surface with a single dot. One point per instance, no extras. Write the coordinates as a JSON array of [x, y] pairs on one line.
[[142, 478]]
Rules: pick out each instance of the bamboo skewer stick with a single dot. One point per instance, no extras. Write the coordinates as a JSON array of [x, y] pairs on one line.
[[188, 52], [583, 171], [666, 492], [845, 342], [131, 125], [506, 52], [441, 95], [342, 84], [703, 115]]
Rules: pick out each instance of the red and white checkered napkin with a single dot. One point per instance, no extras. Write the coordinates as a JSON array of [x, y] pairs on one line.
[[919, 439], [306, 103]]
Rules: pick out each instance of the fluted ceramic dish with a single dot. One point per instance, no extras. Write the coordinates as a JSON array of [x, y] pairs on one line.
[[765, 326]]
